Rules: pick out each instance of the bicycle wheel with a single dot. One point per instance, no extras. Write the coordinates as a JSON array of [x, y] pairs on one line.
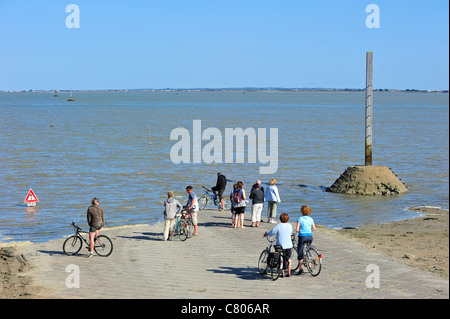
[[202, 202], [275, 273], [262, 262], [182, 230], [189, 227], [103, 246], [294, 259], [72, 245], [313, 261]]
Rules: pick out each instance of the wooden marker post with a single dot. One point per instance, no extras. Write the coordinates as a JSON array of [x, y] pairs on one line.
[[369, 103], [149, 137]]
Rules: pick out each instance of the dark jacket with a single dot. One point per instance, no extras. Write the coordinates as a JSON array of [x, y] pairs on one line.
[[95, 216], [257, 196], [221, 182]]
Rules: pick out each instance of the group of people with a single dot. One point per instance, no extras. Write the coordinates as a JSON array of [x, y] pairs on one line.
[[173, 207], [258, 196], [305, 226], [238, 197]]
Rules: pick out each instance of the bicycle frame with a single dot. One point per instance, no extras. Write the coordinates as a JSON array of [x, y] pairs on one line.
[[308, 246], [103, 245], [78, 233], [309, 260], [263, 259], [213, 196], [186, 217], [207, 196], [177, 228]]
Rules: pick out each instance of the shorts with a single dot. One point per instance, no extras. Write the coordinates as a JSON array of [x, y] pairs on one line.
[[287, 253], [94, 228], [194, 217], [219, 191], [239, 210]]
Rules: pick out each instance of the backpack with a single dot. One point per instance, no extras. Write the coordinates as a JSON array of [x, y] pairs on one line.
[[237, 196]]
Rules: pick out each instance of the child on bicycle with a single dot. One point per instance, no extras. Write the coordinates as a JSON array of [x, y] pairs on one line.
[[284, 233], [305, 226]]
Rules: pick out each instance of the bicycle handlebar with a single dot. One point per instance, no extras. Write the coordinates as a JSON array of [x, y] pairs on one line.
[[271, 239], [75, 226], [207, 188]]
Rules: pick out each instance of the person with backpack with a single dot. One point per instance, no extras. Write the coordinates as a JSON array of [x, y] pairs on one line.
[[239, 204]]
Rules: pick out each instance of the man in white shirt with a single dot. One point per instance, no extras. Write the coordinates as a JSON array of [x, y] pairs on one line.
[[192, 207]]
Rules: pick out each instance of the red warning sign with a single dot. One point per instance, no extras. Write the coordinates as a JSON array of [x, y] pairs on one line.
[[31, 197]]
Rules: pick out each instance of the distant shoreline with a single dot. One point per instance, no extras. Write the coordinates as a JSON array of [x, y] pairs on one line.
[[243, 90]]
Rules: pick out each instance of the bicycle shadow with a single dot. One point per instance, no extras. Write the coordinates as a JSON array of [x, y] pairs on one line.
[[248, 273], [51, 252]]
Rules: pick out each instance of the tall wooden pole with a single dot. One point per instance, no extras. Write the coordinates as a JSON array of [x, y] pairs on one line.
[[369, 104]]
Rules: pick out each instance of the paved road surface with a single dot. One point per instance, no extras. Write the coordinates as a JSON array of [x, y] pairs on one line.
[[219, 263]]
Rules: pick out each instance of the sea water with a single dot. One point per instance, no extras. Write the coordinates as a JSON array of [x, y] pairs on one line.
[[99, 146]]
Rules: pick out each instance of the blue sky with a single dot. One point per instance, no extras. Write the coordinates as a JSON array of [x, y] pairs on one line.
[[189, 44]]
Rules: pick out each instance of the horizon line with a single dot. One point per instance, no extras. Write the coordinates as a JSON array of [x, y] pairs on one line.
[[263, 88]]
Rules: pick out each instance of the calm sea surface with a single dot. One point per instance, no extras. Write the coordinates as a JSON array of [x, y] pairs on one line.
[[69, 152]]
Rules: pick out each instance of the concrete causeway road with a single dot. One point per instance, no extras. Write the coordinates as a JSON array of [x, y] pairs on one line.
[[219, 263]]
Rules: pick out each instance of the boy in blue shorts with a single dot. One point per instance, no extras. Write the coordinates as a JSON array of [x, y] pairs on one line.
[[305, 226]]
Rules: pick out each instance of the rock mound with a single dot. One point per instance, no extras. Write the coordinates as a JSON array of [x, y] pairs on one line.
[[368, 180]]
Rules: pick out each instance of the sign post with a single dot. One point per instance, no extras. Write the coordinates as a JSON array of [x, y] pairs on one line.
[[31, 198]]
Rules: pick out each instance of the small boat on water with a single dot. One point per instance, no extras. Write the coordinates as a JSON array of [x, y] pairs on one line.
[[70, 98]]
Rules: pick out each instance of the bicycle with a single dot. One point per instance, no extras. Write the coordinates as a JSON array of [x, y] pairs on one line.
[[184, 226], [312, 259], [73, 244], [205, 198], [273, 259]]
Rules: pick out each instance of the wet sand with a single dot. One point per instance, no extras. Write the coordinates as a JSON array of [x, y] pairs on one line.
[[421, 242]]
